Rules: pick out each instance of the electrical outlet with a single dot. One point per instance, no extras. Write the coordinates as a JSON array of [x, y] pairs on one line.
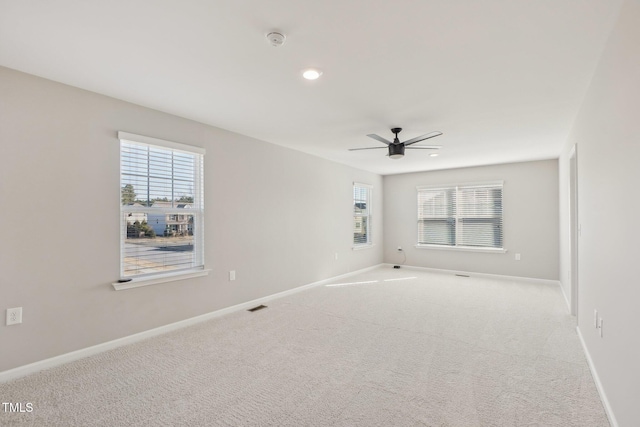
[[336, 256], [232, 275], [517, 257], [595, 318], [14, 316]]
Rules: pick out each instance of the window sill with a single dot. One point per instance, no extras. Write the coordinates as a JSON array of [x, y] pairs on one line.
[[364, 246], [161, 278], [463, 248]]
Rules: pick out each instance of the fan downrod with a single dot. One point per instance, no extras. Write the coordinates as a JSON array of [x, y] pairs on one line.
[[396, 131]]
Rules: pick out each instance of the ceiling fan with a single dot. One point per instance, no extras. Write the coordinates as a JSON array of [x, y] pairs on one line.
[[396, 148]]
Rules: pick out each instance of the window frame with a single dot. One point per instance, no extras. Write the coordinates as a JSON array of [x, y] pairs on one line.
[[369, 216], [197, 211], [456, 188]]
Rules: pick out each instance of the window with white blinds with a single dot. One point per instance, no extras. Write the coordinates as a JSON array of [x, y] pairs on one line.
[[461, 215], [361, 214], [161, 205]]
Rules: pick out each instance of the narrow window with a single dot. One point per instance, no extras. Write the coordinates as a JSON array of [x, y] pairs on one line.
[[162, 206], [361, 214]]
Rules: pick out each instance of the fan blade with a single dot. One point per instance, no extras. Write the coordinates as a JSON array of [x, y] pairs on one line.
[[379, 138], [425, 147], [422, 138], [368, 148]]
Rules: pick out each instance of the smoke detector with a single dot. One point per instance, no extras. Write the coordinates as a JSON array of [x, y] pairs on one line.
[[276, 39]]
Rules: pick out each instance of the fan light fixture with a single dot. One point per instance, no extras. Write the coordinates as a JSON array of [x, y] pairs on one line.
[[311, 74], [396, 151]]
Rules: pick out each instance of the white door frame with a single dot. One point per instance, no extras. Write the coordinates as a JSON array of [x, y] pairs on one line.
[[574, 226]]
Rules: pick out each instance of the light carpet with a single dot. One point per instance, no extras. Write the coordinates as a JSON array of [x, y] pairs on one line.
[[388, 348]]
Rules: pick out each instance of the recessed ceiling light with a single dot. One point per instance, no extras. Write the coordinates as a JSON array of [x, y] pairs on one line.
[[434, 155], [311, 74]]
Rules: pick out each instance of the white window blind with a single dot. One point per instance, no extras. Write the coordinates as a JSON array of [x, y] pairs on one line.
[[437, 216], [162, 206], [461, 215], [361, 214]]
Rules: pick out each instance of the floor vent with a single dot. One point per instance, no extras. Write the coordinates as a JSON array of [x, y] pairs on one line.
[[462, 275], [260, 307]]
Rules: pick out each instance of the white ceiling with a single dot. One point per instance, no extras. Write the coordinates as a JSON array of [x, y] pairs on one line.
[[502, 79]]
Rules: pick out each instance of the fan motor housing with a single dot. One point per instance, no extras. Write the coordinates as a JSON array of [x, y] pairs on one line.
[[396, 151]]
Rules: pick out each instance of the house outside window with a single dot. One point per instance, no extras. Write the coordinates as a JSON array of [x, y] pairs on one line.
[[162, 207], [361, 215]]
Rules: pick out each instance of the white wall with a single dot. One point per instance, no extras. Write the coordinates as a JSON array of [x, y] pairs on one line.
[[274, 215], [530, 215], [607, 132]]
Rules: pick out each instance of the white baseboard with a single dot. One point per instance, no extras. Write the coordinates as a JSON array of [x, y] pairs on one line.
[[596, 378], [483, 275], [566, 299], [22, 371]]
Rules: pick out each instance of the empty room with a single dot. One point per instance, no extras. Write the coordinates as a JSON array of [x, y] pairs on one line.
[[342, 213]]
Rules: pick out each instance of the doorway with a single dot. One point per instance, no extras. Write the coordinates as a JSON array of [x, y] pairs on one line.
[[574, 226]]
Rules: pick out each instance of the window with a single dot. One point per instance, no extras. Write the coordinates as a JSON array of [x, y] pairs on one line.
[[463, 216], [162, 207], [361, 214]]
